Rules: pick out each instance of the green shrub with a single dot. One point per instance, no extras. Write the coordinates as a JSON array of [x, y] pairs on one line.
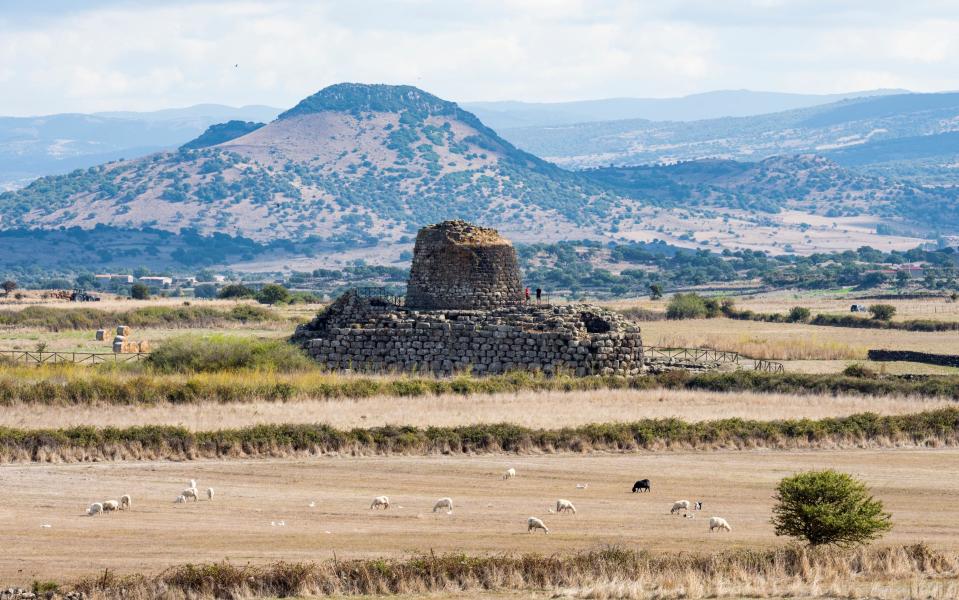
[[859, 370], [828, 507], [235, 290], [712, 308], [140, 291], [190, 353], [273, 293], [686, 306], [882, 312], [799, 314]]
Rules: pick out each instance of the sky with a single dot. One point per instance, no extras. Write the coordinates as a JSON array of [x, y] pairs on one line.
[[68, 56]]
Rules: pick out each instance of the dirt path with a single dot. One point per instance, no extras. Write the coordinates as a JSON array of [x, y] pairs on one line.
[[252, 497]]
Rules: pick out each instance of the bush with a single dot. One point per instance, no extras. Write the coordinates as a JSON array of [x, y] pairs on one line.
[[799, 314], [190, 353], [859, 370], [140, 291], [686, 306], [712, 308], [205, 290], [882, 312], [828, 507], [235, 290], [273, 293]]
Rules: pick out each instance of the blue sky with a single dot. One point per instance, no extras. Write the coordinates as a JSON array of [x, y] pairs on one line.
[[69, 56]]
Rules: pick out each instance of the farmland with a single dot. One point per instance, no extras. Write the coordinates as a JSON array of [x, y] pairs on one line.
[[277, 503]]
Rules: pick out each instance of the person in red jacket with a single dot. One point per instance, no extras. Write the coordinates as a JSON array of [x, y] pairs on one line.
[[527, 295]]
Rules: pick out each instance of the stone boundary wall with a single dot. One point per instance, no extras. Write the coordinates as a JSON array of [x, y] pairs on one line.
[[483, 342], [943, 360]]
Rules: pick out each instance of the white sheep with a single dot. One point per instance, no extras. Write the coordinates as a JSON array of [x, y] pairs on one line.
[[383, 501], [179, 499], [446, 503], [718, 523], [678, 506], [95, 509], [509, 474], [192, 483], [534, 523], [126, 502], [209, 493], [110, 505], [191, 493], [565, 506]]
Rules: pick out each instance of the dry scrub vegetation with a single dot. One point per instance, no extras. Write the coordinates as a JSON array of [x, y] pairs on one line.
[[791, 341], [80, 444], [896, 572]]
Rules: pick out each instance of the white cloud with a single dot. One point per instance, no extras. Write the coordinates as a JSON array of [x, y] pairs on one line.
[[142, 55]]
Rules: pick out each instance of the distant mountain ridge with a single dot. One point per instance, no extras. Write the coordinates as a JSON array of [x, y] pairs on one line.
[[831, 129], [32, 147], [695, 107]]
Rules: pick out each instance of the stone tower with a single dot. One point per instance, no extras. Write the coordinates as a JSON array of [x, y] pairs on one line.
[[457, 265]]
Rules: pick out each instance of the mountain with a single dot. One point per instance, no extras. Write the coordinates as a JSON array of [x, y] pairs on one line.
[[353, 171], [221, 132], [808, 184], [363, 163], [32, 147], [830, 129], [695, 107]]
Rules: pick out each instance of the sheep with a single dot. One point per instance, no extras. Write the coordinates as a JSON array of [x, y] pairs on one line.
[[192, 483], [718, 523], [110, 505], [95, 509], [179, 499], [126, 502], [534, 523], [446, 503], [678, 506], [383, 501], [191, 493], [209, 493], [509, 474], [565, 506], [642, 486], [698, 505], [582, 486]]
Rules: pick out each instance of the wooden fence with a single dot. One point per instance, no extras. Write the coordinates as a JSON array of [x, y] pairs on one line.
[[28, 357]]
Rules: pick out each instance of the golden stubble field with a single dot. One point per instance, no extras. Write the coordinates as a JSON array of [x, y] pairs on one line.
[[242, 523], [548, 410]]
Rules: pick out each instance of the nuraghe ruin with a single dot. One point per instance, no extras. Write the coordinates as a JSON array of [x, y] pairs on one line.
[[465, 311]]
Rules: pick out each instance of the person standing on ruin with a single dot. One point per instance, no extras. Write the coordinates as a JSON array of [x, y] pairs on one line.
[[539, 295], [527, 295]]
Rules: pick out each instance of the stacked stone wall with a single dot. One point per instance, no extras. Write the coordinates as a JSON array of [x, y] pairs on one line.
[[549, 340], [459, 266]]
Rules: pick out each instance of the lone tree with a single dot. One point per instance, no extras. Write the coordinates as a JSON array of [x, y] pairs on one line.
[[140, 291], [828, 507], [8, 286], [655, 291], [273, 293]]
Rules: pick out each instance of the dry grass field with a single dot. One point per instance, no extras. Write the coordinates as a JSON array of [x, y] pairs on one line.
[[47, 535], [547, 410], [791, 341]]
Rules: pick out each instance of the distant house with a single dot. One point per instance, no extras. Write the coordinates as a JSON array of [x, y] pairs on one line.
[[156, 281], [113, 278]]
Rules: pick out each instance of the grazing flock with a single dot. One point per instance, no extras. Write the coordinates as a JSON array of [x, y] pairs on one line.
[[126, 502], [563, 506], [683, 507]]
